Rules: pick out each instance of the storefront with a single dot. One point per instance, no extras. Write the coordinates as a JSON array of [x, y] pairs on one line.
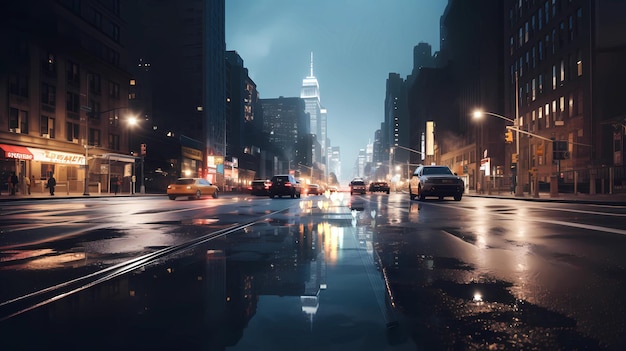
[[39, 164]]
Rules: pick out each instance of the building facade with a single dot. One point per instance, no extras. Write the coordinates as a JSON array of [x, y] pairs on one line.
[[64, 84], [564, 68]]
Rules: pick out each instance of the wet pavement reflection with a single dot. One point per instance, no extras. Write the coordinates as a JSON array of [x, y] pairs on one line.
[[334, 272]]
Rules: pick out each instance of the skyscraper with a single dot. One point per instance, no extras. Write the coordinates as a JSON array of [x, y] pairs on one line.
[[311, 95]]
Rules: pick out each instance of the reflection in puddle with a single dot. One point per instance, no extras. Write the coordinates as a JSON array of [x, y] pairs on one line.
[[14, 255], [38, 259]]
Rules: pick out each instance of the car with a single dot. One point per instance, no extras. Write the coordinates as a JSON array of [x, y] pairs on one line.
[[437, 181], [284, 185], [192, 188], [332, 189], [379, 187], [313, 189], [260, 187], [357, 186]]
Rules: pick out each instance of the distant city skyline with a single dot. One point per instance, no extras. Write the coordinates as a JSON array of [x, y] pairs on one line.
[[356, 44]]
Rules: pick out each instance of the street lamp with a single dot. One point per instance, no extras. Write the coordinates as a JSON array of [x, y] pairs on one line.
[[478, 114], [132, 122]]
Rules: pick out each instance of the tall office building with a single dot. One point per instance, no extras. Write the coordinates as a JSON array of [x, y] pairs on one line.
[[185, 44], [310, 93], [283, 122]]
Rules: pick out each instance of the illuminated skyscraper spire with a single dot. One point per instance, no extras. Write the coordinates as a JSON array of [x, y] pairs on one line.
[[311, 75]]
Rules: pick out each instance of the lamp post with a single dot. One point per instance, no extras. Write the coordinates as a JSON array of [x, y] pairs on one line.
[[477, 115], [132, 122]]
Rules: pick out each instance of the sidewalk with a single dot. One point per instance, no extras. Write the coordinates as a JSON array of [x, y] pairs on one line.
[[4, 196], [618, 199]]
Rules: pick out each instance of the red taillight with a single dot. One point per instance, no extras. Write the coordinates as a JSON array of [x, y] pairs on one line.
[[287, 184]]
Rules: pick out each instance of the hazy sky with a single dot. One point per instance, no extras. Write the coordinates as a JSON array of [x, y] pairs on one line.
[[355, 44]]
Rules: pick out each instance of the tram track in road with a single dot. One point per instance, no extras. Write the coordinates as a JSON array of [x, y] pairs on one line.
[[33, 300]]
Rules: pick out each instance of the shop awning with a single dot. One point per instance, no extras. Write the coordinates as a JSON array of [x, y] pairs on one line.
[[119, 157], [14, 151]]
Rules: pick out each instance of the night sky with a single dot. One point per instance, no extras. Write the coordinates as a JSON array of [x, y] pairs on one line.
[[355, 44]]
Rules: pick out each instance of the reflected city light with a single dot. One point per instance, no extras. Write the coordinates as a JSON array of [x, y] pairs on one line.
[[478, 297]]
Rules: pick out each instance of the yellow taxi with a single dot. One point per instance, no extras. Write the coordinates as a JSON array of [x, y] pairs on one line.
[[192, 188]]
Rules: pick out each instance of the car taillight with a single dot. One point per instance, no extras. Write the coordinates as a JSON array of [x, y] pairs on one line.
[[287, 184]]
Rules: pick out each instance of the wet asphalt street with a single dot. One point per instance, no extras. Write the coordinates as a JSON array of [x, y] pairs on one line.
[[340, 272]]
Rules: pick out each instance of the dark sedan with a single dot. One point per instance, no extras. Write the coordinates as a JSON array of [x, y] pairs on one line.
[[382, 187]]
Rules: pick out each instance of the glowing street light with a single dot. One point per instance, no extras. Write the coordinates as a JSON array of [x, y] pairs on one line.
[[478, 114]]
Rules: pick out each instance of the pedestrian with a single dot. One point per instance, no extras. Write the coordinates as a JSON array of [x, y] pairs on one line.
[[13, 182], [51, 184], [115, 184], [27, 182]]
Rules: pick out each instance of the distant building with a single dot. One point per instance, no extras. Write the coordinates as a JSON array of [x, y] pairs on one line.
[[310, 93], [283, 120]]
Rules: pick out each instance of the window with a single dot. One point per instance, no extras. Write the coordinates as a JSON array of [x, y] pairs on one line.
[[72, 103], [18, 121], [47, 126], [547, 114], [114, 142], [540, 47], [114, 90], [49, 65], [18, 84], [553, 77], [579, 103], [73, 73], [94, 137], [114, 119], [540, 83], [534, 90], [570, 28], [571, 105], [579, 21], [579, 63], [561, 115], [94, 84], [48, 94], [526, 32], [94, 106], [562, 73], [72, 131]]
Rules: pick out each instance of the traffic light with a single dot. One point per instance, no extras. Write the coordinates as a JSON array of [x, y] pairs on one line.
[[560, 150], [143, 149], [508, 136]]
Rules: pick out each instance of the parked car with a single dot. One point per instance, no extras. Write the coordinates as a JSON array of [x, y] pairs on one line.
[[193, 188], [379, 187], [284, 185], [357, 186], [313, 189], [260, 187], [437, 181]]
